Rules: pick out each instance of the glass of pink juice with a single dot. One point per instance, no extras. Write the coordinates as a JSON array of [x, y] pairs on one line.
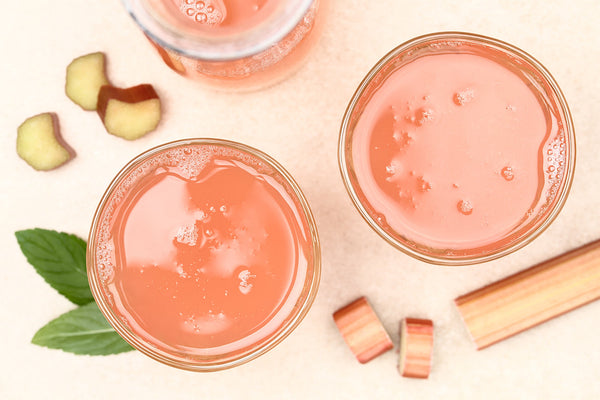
[[457, 148], [203, 254], [231, 44]]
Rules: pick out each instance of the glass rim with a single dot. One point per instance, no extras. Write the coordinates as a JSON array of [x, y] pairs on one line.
[[220, 50], [247, 353], [569, 138]]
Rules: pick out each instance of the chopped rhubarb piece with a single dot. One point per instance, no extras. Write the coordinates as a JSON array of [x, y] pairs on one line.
[[530, 297], [39, 143], [416, 348], [362, 330], [85, 76], [129, 113]]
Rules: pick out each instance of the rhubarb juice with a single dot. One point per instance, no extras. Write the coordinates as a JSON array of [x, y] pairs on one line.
[[203, 251], [230, 44], [457, 151]]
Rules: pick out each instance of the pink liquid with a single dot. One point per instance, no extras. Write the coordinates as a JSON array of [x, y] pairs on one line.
[[235, 20], [456, 151], [203, 250]]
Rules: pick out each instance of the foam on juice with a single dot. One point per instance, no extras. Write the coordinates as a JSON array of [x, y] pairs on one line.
[[225, 16]]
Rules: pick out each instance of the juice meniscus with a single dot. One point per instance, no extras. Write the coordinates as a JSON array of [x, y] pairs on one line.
[[203, 253]]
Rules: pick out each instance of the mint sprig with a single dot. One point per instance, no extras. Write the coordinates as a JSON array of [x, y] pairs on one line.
[[60, 259], [83, 330]]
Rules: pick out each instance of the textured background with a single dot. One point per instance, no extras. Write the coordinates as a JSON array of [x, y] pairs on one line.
[[296, 122]]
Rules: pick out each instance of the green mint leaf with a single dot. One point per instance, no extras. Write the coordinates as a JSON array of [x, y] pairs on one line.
[[60, 259], [83, 330]]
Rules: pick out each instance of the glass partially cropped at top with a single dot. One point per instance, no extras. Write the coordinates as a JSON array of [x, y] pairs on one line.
[[203, 254], [237, 45], [496, 190]]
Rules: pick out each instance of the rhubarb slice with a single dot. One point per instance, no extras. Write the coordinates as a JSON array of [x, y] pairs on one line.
[[129, 113], [530, 297], [362, 330], [39, 143], [85, 76], [416, 348]]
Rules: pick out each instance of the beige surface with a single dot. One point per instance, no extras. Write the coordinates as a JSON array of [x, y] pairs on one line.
[[297, 123]]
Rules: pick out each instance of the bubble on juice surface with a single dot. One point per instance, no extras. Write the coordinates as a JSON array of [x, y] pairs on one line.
[[181, 272], [209, 12], [208, 322], [380, 218], [463, 97], [106, 273], [465, 207], [507, 173], [402, 137], [423, 115], [246, 278], [200, 215], [554, 164], [210, 233], [423, 185], [104, 260], [406, 197], [394, 169], [187, 235]]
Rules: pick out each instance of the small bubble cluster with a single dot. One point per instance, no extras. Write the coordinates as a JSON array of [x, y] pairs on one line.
[[507, 173], [403, 138], [104, 261], [555, 160], [406, 196], [210, 322], [210, 12], [187, 235], [463, 97], [394, 170], [422, 116], [465, 207], [246, 278], [554, 164], [181, 272], [423, 185]]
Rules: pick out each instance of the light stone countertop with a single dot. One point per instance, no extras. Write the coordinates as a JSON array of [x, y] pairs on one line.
[[296, 122]]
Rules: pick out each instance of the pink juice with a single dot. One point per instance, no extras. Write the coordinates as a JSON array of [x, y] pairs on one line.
[[203, 250], [231, 44], [457, 153]]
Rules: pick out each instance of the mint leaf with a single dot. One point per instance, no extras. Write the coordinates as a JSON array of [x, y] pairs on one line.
[[83, 330], [60, 259]]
